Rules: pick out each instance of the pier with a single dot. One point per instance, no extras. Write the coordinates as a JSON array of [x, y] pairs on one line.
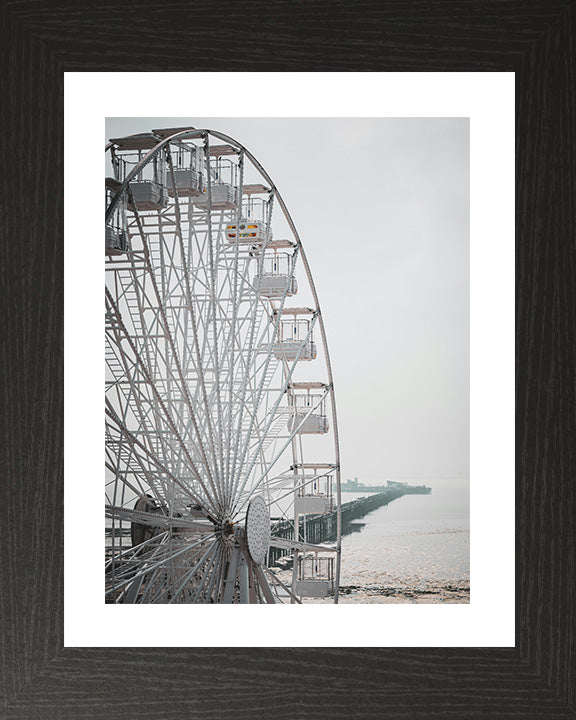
[[322, 528], [355, 486]]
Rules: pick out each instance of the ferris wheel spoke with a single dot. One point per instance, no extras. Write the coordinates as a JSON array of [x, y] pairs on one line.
[[239, 381], [178, 579], [135, 551], [154, 589], [202, 387], [227, 376], [150, 422], [289, 369], [226, 335], [135, 566], [203, 585], [230, 337], [189, 307], [262, 438], [234, 334], [128, 568], [254, 453], [158, 560], [154, 520], [184, 582], [120, 479], [209, 592], [252, 415], [156, 444], [212, 307], [199, 424], [204, 500], [166, 414], [183, 387], [124, 459]]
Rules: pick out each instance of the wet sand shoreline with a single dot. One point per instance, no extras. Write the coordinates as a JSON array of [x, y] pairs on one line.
[[431, 594]]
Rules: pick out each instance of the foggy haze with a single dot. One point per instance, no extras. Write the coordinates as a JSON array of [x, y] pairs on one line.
[[382, 208]]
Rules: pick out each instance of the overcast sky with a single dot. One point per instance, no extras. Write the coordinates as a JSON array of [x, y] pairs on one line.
[[382, 208]]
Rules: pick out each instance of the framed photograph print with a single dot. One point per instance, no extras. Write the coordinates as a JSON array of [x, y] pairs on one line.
[[404, 147]]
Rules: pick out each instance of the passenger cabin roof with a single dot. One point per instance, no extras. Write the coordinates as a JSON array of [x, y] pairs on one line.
[[313, 466], [142, 141], [308, 385], [254, 189], [218, 150], [295, 311], [274, 244], [167, 132]]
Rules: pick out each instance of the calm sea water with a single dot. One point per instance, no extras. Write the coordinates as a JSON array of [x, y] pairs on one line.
[[416, 549]]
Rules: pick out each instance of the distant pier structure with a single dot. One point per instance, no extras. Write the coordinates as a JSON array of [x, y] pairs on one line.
[[322, 528], [355, 486]]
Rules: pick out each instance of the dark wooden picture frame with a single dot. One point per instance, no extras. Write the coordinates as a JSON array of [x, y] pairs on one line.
[[41, 679]]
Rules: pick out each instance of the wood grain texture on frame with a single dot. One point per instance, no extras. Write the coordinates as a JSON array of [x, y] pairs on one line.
[[40, 679]]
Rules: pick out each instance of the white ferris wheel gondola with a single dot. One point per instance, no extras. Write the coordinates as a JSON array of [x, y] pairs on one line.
[[222, 457]]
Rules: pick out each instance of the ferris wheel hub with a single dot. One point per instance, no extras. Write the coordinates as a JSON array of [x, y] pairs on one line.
[[227, 528]]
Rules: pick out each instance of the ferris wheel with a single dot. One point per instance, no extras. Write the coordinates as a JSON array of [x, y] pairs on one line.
[[222, 461]]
